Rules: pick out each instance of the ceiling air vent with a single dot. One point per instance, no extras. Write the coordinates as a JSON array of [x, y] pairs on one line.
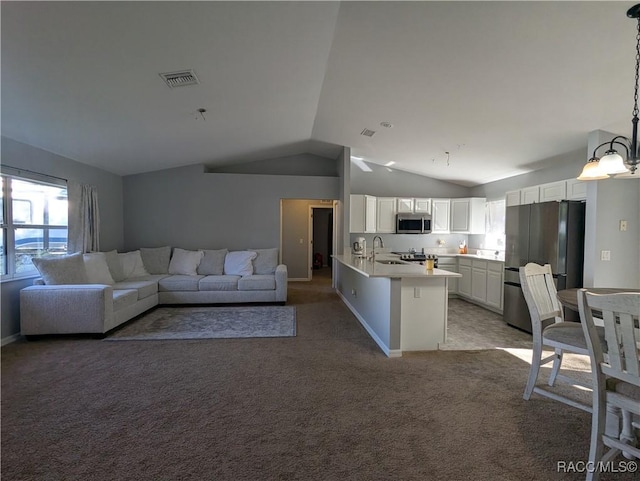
[[180, 79], [368, 133]]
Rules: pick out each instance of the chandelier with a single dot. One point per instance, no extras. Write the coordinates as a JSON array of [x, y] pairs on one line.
[[612, 163]]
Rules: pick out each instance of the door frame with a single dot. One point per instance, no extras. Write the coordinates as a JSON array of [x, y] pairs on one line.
[[334, 239]]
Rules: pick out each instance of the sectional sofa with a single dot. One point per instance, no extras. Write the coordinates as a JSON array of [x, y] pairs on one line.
[[96, 292]]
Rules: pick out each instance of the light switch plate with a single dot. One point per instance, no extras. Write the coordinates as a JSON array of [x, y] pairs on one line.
[[605, 255]]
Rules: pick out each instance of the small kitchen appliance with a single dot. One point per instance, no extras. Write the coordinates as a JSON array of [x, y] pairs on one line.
[[360, 247]]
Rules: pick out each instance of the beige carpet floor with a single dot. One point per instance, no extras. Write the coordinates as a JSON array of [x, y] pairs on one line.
[[325, 405]]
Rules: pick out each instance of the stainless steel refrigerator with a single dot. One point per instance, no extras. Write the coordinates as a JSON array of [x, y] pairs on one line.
[[544, 233]]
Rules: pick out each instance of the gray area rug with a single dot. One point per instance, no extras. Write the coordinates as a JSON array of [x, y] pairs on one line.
[[210, 323]]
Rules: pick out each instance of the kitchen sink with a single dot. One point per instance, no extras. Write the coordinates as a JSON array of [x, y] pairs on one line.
[[391, 262]]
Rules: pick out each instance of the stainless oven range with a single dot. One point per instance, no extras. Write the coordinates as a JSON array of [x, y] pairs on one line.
[[417, 257]]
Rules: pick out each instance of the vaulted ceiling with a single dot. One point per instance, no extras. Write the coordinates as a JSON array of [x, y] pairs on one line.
[[500, 86]]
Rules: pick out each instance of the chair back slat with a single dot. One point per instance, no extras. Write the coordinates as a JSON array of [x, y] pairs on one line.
[[540, 292], [620, 313]]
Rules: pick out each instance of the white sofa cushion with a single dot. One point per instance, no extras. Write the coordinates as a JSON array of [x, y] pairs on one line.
[[239, 263], [115, 265], [156, 259], [124, 298], [132, 265], [212, 264], [67, 269], [97, 269], [145, 288], [219, 283], [257, 283], [185, 262], [179, 283], [266, 261]]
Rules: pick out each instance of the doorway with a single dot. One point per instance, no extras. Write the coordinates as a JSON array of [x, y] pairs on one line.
[[300, 235], [321, 236]]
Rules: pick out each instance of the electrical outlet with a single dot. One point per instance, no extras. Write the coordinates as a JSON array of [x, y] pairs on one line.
[[623, 225], [605, 255], [354, 293]]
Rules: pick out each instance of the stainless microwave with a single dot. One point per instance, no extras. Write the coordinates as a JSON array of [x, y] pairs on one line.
[[413, 224]]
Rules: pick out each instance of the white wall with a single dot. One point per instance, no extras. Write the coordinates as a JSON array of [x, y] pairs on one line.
[[23, 156], [608, 202], [189, 208]]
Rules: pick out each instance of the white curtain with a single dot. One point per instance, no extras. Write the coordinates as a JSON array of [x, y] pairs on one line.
[[84, 218]]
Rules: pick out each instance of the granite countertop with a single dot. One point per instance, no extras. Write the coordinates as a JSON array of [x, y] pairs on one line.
[[370, 268]]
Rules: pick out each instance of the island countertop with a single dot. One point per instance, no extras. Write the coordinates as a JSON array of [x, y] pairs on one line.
[[371, 268]]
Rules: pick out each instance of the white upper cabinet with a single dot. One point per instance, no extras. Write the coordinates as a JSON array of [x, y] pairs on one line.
[[386, 215], [440, 216], [576, 189], [404, 205], [553, 191], [362, 213], [530, 195], [422, 206], [371, 207], [468, 215], [412, 205], [512, 197], [571, 189]]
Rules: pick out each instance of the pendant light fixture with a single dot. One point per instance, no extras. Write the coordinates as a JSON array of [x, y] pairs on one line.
[[612, 163]]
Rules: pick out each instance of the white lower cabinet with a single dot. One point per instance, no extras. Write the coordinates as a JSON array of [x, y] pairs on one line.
[[481, 281], [464, 282], [450, 264], [495, 284]]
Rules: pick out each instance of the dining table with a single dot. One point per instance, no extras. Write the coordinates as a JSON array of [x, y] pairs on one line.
[[569, 297]]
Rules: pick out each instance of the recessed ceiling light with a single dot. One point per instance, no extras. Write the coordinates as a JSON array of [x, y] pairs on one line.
[[386, 125], [389, 164]]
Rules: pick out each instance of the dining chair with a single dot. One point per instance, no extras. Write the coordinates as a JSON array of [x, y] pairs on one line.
[[540, 293], [615, 373]]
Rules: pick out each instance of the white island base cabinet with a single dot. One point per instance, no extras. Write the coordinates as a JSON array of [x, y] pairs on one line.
[[401, 314]]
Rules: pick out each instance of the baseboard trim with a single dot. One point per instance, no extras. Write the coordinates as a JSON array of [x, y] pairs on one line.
[[10, 339], [388, 352]]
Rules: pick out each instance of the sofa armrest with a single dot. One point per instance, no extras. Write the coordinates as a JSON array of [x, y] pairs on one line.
[[281, 275], [65, 309]]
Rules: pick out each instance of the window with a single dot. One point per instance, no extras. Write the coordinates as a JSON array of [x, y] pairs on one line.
[[33, 218], [495, 225]]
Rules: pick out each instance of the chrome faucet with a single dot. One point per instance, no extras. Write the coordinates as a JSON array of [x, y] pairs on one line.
[[373, 248]]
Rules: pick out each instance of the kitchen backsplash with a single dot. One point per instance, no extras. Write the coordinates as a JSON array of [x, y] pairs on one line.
[[432, 243]]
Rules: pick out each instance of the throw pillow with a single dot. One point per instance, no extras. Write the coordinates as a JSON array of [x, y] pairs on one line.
[[239, 263], [185, 262], [212, 264], [156, 259], [266, 261], [67, 269], [97, 269], [132, 265], [115, 265]]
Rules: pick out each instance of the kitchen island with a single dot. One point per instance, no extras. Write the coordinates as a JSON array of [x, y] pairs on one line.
[[402, 305]]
